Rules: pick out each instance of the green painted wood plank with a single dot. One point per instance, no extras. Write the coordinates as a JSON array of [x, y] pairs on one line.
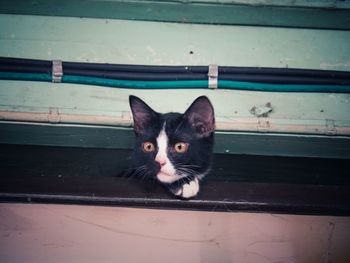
[[320, 14], [230, 105], [225, 142], [151, 43]]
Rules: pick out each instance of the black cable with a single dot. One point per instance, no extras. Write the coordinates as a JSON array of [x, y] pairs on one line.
[[284, 71], [285, 79], [179, 69], [24, 61], [25, 68], [107, 67], [136, 75], [136, 68]]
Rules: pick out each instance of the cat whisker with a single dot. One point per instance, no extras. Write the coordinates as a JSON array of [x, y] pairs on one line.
[[186, 168], [129, 174], [145, 175], [190, 166], [187, 171], [137, 171], [181, 181]]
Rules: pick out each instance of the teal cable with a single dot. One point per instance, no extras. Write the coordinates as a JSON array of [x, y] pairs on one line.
[[200, 84], [25, 76], [180, 84], [227, 84], [135, 84]]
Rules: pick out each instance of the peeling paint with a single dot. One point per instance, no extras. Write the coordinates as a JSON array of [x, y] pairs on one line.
[[344, 66]]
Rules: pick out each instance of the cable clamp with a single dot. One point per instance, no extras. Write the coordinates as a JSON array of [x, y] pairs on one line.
[[57, 71], [213, 73]]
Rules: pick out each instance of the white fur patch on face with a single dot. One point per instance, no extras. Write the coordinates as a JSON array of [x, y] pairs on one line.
[[167, 173]]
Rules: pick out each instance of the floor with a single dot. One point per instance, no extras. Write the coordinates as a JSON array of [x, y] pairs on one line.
[[68, 233]]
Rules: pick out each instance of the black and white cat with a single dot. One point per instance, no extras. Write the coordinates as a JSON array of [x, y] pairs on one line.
[[174, 148]]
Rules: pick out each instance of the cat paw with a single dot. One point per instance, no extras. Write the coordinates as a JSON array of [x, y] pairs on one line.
[[188, 190]]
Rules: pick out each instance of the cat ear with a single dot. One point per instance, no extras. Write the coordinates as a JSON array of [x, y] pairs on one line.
[[201, 116], [142, 114]]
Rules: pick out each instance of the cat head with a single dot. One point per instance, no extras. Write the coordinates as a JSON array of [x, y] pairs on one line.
[[173, 146]]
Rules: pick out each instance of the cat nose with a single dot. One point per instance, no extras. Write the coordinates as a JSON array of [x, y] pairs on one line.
[[161, 161]]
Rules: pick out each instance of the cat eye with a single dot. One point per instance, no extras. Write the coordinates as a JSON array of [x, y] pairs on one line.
[[148, 147], [180, 147]]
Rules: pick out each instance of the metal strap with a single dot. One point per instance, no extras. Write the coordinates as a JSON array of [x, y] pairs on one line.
[[213, 73], [57, 71]]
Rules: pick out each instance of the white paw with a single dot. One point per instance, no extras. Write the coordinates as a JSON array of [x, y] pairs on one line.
[[188, 190]]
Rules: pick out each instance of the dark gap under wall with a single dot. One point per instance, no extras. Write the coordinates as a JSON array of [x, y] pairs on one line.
[[237, 182]]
